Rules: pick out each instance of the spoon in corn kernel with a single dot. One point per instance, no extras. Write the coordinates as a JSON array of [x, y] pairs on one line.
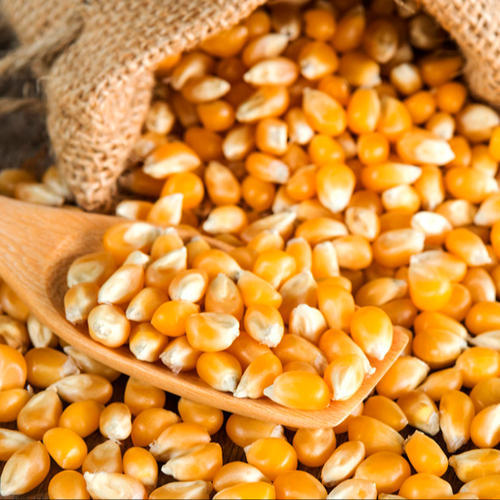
[[40, 243]]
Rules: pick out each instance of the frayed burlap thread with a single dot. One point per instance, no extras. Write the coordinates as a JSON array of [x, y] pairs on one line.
[[99, 88]]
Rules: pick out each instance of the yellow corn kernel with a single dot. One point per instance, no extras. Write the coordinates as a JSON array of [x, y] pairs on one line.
[[257, 489], [354, 488], [478, 364], [39, 414], [244, 430], [25, 470], [438, 348], [177, 438], [342, 463], [13, 368], [105, 457], [79, 301], [234, 473], [196, 413], [170, 158], [272, 456], [299, 389], [211, 331], [14, 335], [314, 446], [68, 484], [442, 381], [421, 411], [375, 435], [201, 462], [115, 422], [384, 409], [386, 469], [482, 487], [182, 489], [485, 427], [425, 454], [264, 324], [12, 402], [268, 101], [474, 464], [336, 304], [344, 376], [139, 464], [149, 424], [84, 386], [423, 485], [146, 343], [257, 291], [46, 366], [108, 325], [293, 484], [179, 355], [456, 412], [66, 447], [486, 393], [259, 374], [113, 485], [90, 365], [223, 296], [220, 370], [295, 348], [82, 417], [215, 261]]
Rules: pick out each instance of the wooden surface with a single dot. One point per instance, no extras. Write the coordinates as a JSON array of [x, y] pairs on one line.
[[39, 244]]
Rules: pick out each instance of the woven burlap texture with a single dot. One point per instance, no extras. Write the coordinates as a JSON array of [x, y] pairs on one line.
[[99, 88]]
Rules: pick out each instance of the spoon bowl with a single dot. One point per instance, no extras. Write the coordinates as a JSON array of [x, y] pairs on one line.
[[39, 243]]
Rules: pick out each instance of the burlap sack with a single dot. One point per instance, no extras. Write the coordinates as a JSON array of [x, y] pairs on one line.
[[99, 87]]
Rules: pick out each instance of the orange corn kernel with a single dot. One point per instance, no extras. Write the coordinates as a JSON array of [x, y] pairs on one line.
[[440, 382], [25, 470], [259, 374], [336, 304], [310, 391], [421, 411], [372, 330], [345, 375], [342, 462], [403, 376], [423, 485], [150, 423], [66, 447], [68, 484], [395, 247], [105, 457], [13, 368], [170, 158], [385, 410], [478, 364], [485, 428], [375, 435], [82, 417], [425, 454], [314, 446], [482, 487], [354, 488], [234, 473], [387, 470], [456, 412], [323, 112], [257, 489], [292, 484], [272, 456], [208, 417], [266, 102], [244, 430], [226, 43], [220, 370]]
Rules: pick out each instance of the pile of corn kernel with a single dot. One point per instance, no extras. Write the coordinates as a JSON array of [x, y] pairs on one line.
[[348, 188]]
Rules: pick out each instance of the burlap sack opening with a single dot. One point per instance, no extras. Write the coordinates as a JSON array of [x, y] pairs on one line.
[[99, 88]]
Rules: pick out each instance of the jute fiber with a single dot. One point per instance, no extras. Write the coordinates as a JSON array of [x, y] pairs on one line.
[[99, 86]]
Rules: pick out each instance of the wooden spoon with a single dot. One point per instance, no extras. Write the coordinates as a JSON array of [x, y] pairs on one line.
[[37, 246]]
